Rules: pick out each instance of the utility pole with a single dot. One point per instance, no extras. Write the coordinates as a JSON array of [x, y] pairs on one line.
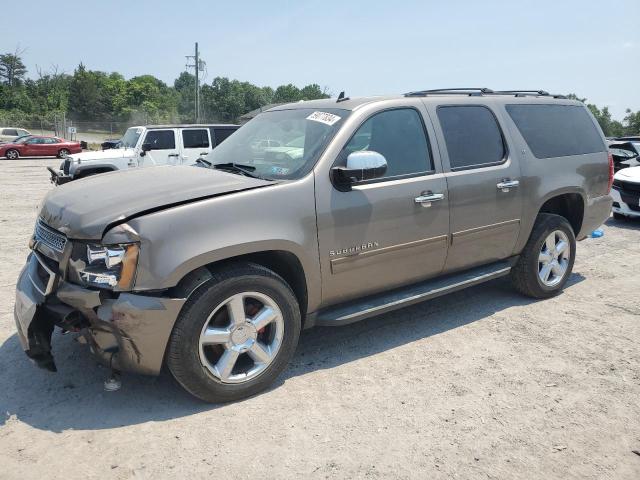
[[199, 67]]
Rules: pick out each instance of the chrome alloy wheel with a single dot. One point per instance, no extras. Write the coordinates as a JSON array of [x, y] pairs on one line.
[[241, 337], [553, 260], [12, 155]]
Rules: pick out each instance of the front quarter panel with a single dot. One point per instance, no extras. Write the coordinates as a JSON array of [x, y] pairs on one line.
[[176, 241]]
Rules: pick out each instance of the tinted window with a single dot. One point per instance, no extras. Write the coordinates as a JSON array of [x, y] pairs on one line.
[[556, 130], [399, 136], [161, 139], [35, 141], [221, 134], [195, 139], [50, 140], [472, 136], [10, 132]]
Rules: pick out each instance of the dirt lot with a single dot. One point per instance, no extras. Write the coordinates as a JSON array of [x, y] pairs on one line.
[[482, 383]]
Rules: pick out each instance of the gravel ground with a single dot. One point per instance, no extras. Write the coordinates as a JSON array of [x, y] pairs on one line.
[[482, 383]]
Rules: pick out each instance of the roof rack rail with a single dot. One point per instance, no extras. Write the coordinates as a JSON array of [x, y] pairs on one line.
[[472, 91], [482, 91], [524, 92]]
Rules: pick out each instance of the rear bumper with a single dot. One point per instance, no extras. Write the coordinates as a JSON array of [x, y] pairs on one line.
[[597, 210], [127, 331]]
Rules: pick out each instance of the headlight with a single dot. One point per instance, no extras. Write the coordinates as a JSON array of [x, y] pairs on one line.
[[111, 266]]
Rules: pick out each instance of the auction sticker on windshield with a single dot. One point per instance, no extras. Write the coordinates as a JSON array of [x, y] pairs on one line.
[[324, 117]]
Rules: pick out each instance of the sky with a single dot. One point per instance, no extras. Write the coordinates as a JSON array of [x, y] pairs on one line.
[[587, 47]]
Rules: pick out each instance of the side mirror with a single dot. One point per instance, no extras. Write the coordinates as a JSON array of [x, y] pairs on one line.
[[362, 165], [146, 147]]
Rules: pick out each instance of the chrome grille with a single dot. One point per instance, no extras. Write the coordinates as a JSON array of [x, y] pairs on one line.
[[50, 237]]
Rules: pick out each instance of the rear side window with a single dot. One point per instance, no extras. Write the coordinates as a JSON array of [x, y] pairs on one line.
[[472, 135], [556, 130], [399, 136], [221, 134], [161, 139], [10, 132], [195, 138]]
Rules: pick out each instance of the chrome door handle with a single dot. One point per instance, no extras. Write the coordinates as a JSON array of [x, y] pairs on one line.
[[505, 185], [426, 199]]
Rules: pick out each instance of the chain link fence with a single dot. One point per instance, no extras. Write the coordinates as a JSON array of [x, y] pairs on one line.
[[90, 132]]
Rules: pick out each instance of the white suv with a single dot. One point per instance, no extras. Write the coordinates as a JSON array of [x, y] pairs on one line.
[[146, 147]]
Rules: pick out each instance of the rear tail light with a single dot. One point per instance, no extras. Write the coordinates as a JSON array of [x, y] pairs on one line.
[[610, 173]]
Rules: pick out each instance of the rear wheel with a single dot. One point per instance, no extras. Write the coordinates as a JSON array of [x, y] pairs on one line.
[[12, 154], [235, 335], [546, 262], [63, 153]]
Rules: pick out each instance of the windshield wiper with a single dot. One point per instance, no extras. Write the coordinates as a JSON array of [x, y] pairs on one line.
[[203, 162], [237, 168]]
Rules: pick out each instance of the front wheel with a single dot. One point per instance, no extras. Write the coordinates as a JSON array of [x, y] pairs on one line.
[[546, 261], [63, 153], [12, 154], [235, 334]]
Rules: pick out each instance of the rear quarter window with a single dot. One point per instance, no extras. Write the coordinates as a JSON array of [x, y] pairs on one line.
[[556, 130], [472, 135]]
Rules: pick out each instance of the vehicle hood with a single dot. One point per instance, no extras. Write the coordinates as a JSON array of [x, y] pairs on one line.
[[631, 174], [103, 154], [83, 209]]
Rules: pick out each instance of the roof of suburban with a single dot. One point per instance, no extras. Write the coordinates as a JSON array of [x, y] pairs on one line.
[[470, 94]]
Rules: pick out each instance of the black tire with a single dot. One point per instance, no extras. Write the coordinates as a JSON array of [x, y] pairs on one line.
[[619, 216], [12, 154], [63, 153], [183, 351], [524, 275]]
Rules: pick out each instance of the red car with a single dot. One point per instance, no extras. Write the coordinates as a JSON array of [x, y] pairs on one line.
[[39, 146]]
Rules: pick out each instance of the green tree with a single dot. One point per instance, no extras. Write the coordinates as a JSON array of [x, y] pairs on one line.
[[12, 69], [185, 86], [313, 92], [632, 122], [286, 94]]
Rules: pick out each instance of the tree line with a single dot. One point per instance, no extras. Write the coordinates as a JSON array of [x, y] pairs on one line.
[[95, 96], [91, 95]]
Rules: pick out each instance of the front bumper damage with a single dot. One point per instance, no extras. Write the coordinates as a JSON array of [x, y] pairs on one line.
[[127, 331]]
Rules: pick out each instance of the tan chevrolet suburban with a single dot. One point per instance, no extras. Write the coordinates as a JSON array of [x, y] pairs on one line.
[[316, 213]]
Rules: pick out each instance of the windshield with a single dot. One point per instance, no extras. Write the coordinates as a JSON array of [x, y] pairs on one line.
[[284, 144], [22, 139], [130, 138]]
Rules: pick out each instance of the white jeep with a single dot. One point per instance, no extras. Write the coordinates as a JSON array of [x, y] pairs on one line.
[[146, 147]]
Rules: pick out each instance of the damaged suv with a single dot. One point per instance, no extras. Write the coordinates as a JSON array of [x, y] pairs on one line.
[[315, 213]]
